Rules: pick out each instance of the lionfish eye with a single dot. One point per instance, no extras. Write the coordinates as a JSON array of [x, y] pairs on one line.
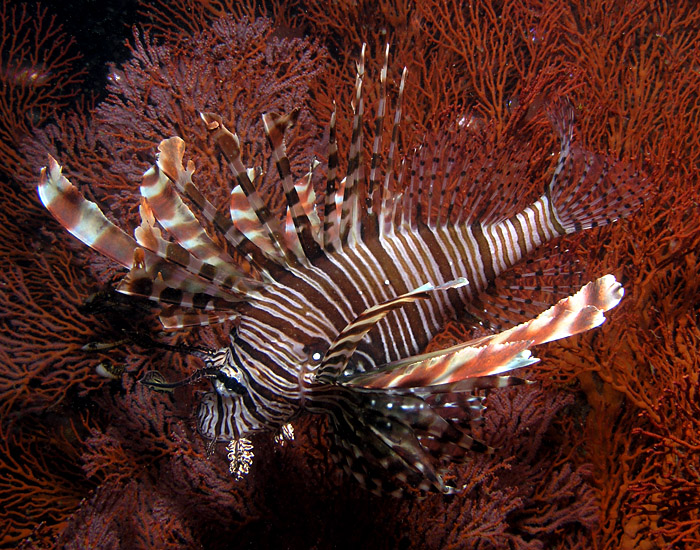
[[229, 381], [315, 352]]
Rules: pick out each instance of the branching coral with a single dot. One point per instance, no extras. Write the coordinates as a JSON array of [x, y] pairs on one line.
[[40, 485], [37, 76], [632, 76], [237, 69], [36, 372], [157, 473], [666, 499], [529, 495]]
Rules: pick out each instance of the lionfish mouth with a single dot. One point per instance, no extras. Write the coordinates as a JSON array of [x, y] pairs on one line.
[[359, 259]]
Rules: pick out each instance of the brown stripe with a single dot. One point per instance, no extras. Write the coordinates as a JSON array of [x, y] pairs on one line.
[[538, 222], [484, 251], [467, 256], [521, 244]]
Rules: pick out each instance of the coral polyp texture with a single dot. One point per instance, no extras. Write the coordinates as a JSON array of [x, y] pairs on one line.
[[601, 451]]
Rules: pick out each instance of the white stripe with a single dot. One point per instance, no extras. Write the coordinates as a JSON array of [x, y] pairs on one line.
[[514, 253], [541, 206], [258, 337], [378, 276], [412, 278], [466, 236], [494, 247], [524, 219]]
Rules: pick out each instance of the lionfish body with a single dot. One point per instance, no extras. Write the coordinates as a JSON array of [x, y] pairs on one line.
[[334, 305]]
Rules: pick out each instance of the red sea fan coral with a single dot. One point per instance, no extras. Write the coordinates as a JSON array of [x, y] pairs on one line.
[[144, 456], [530, 495], [38, 373], [40, 481], [41, 371], [234, 68], [632, 473], [37, 75]]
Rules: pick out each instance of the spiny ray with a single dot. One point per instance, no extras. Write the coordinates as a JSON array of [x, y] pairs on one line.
[[275, 127], [174, 215], [331, 214], [377, 144], [182, 179], [230, 145], [350, 213], [165, 282], [245, 220], [307, 198], [178, 318], [83, 218], [225, 278]]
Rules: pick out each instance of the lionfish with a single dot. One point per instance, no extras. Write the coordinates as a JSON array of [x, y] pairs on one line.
[[333, 312]]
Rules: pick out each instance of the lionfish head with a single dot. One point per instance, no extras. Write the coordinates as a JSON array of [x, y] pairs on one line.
[[242, 401]]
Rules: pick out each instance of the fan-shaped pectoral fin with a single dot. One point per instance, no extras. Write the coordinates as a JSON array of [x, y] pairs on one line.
[[502, 352]]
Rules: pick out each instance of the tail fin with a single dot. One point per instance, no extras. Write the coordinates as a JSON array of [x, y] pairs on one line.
[[590, 190]]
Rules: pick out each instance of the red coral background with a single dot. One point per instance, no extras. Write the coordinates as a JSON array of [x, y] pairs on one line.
[[604, 452]]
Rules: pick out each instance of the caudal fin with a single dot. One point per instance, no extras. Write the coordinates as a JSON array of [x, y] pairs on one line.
[[587, 189]]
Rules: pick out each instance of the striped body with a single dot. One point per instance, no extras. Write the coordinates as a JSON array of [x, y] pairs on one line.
[[311, 306], [333, 310]]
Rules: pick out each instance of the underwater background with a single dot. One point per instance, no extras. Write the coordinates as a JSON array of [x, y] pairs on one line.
[[602, 452]]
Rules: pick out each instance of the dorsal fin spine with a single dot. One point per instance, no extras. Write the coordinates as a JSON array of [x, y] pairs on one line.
[[378, 134], [174, 215], [173, 175], [331, 217], [390, 202], [587, 189], [350, 213], [467, 212], [81, 217], [148, 235], [159, 278], [453, 198], [442, 204], [419, 189], [221, 222], [432, 192], [307, 196]]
